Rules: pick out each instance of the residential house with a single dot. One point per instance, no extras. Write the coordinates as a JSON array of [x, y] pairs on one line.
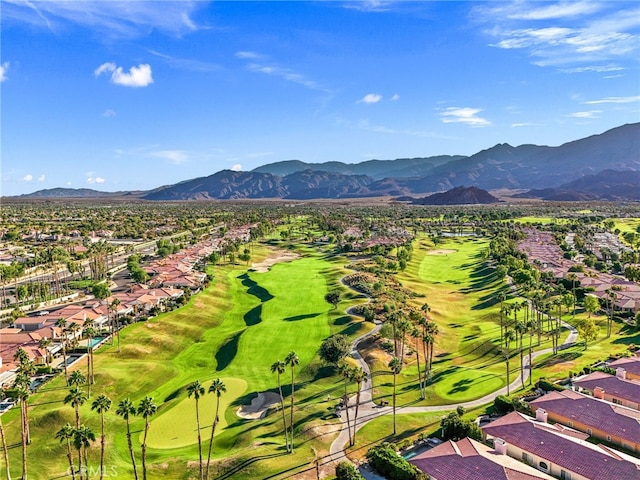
[[612, 388], [559, 451], [613, 423], [631, 365], [471, 460]]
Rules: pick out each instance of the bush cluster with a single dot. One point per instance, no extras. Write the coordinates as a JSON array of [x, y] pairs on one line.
[[384, 460]]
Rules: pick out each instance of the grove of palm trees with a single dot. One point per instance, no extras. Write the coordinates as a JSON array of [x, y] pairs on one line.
[[445, 308]]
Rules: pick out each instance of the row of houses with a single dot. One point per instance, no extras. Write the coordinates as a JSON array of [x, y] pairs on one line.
[[543, 252], [527, 448], [28, 332]]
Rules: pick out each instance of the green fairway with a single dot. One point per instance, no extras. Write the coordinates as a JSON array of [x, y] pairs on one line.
[[177, 427]]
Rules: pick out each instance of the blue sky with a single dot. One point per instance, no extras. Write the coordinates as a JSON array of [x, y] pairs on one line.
[[116, 95]]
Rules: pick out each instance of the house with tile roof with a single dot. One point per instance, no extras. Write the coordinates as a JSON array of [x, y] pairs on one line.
[[603, 420], [559, 451], [631, 366], [471, 460], [612, 388]]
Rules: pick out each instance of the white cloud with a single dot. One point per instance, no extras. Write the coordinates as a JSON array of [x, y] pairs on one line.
[[247, 54], [563, 9], [464, 115], [108, 113], [593, 68], [369, 5], [68, 184], [176, 157], [236, 167], [112, 19], [589, 114], [286, 74], [27, 178], [3, 71], [395, 97], [93, 180], [41, 178], [139, 76], [524, 124], [565, 32], [614, 100], [371, 98]]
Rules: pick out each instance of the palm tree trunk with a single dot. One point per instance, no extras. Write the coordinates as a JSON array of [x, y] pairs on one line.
[[102, 446], [420, 384], [394, 402], [133, 457], [24, 440], [64, 356], [284, 418], [5, 450], [521, 363], [80, 463], [70, 458], [144, 450], [213, 430], [355, 416], [199, 438], [530, 365], [346, 408], [293, 386]]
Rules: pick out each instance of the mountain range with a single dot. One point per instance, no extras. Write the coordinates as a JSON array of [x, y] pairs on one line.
[[500, 167]]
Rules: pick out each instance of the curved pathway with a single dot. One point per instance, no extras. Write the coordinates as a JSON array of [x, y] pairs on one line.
[[368, 410]]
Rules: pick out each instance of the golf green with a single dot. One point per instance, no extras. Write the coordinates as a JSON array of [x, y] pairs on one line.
[[177, 427]]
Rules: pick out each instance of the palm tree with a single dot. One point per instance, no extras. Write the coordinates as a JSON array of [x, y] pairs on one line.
[[4, 442], [218, 387], [520, 329], [44, 344], [89, 332], [62, 324], [345, 370], [279, 367], [76, 397], [77, 378], [114, 306], [417, 335], [358, 375], [125, 409], [65, 434], [292, 360], [22, 393], [197, 390], [395, 367], [82, 438], [509, 336], [146, 409], [101, 405]]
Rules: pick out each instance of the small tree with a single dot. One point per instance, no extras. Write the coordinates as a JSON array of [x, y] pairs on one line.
[[588, 330], [334, 348], [347, 471], [333, 298], [591, 304]]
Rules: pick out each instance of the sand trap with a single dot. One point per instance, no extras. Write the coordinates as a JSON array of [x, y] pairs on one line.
[[441, 252], [281, 256], [259, 406]]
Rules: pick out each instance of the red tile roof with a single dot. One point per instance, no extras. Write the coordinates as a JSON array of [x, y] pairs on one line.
[[467, 459], [612, 385], [573, 455], [616, 421]]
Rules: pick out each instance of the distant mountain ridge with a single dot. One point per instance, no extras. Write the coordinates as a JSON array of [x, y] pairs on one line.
[[499, 167], [606, 185], [458, 196]]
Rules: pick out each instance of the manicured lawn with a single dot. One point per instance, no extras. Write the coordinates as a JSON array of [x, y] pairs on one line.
[[234, 330]]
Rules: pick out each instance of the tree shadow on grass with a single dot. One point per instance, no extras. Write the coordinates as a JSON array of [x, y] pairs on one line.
[[253, 316], [227, 351], [351, 329], [559, 358], [342, 320], [295, 318], [254, 289]]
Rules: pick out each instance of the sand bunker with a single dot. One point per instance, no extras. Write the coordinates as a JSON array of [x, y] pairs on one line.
[[259, 406], [282, 256], [440, 252]]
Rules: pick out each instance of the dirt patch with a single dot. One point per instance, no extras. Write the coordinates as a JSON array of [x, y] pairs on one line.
[[259, 406], [277, 257], [441, 251]]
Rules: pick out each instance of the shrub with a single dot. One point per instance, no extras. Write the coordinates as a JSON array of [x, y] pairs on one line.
[[503, 404], [347, 471], [384, 460], [547, 386]]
